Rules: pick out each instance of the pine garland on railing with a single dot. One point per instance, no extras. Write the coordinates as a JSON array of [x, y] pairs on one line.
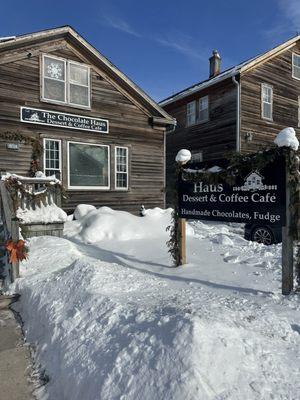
[[19, 190]]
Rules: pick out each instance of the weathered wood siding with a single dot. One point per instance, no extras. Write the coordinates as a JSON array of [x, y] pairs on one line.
[[214, 138], [128, 126], [276, 72]]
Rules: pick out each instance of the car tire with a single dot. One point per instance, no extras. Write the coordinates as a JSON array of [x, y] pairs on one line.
[[262, 234]]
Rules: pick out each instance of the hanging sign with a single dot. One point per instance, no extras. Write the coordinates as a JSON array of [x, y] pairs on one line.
[[258, 197], [63, 120]]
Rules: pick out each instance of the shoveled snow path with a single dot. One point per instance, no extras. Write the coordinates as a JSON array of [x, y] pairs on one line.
[[137, 329]]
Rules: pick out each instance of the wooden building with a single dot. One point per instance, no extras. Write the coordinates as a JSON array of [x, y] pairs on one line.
[[240, 109], [100, 133]]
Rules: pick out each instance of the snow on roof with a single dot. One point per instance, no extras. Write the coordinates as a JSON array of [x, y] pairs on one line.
[[227, 73]]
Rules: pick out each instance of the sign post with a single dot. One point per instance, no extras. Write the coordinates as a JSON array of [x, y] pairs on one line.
[[287, 242], [182, 240]]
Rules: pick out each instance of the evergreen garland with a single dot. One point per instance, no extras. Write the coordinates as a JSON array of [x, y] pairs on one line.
[[37, 148]]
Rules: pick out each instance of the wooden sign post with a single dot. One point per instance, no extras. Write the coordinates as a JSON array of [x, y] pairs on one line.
[[182, 240], [287, 242]]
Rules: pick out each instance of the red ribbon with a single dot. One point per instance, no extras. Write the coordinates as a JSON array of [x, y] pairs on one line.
[[17, 251]]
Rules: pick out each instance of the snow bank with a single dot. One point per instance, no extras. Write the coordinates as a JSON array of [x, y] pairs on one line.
[[42, 214], [287, 138], [106, 330], [94, 225], [183, 156], [82, 210]]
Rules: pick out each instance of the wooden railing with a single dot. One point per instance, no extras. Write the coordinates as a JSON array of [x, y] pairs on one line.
[[52, 194], [32, 193]]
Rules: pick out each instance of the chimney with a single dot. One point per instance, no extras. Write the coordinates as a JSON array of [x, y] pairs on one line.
[[214, 64]]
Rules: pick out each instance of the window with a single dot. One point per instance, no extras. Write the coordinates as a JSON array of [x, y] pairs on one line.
[[88, 166], [65, 81], [191, 113], [121, 167], [52, 157], [267, 102], [296, 66], [203, 109], [197, 157]]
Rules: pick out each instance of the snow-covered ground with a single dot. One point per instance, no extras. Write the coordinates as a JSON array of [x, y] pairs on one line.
[[110, 318]]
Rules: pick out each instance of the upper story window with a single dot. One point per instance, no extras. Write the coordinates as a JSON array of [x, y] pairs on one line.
[[203, 109], [267, 102], [191, 113], [66, 82], [296, 66]]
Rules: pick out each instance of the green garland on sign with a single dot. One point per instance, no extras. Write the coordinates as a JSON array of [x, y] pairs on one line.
[[173, 242]]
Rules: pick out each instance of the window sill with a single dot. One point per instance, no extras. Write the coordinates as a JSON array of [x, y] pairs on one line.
[[197, 123], [61, 103]]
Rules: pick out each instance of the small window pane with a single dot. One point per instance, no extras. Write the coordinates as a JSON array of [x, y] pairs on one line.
[[267, 110], [54, 69], [121, 167], [267, 100], [79, 74], [79, 95], [191, 113], [54, 90], [52, 158], [203, 109], [88, 165], [296, 60]]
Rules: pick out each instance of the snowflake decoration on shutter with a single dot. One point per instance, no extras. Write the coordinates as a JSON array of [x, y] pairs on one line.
[[55, 70]]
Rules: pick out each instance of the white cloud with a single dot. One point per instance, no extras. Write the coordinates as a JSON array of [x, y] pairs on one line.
[[183, 44], [291, 10], [121, 25]]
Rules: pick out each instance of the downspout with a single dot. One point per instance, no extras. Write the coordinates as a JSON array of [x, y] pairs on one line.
[[238, 97], [169, 129]]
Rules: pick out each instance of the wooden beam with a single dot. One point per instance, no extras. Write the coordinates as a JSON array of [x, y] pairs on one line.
[[182, 240]]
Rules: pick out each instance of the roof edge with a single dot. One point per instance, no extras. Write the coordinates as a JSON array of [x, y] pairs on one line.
[[67, 30]]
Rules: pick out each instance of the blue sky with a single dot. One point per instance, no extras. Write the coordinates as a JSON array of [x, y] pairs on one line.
[[163, 45]]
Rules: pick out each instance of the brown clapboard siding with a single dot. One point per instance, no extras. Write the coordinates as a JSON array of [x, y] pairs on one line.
[[129, 126], [276, 72], [214, 137]]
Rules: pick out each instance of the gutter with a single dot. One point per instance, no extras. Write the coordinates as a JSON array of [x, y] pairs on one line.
[[238, 113]]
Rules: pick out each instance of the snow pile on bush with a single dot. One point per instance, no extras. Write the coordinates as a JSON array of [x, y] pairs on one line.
[[94, 225], [43, 214], [287, 138]]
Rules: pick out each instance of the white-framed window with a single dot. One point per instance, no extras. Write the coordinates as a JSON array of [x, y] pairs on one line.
[[88, 166], [296, 66], [65, 81], [191, 113], [267, 102], [197, 157], [52, 157], [203, 109], [121, 168]]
